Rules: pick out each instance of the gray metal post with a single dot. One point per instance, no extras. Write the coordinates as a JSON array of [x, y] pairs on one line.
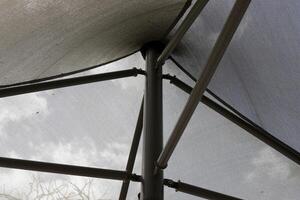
[[152, 184]]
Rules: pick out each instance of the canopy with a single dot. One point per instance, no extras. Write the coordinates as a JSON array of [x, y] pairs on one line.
[[259, 74], [42, 39], [218, 80]]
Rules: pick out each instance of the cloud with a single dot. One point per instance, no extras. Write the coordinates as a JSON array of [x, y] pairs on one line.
[[69, 153], [112, 155], [115, 154], [11, 180], [76, 151], [269, 163], [30, 185], [83, 152], [15, 109]]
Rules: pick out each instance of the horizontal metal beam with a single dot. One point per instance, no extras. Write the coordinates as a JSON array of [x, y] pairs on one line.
[[67, 169], [133, 152], [37, 87], [215, 57], [250, 127], [197, 191], [182, 29]]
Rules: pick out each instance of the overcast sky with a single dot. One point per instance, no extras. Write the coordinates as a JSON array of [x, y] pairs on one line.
[[93, 125]]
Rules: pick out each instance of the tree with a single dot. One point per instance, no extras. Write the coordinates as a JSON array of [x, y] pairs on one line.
[[52, 190]]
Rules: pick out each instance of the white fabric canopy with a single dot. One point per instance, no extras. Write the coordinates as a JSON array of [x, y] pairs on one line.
[[40, 39], [259, 74]]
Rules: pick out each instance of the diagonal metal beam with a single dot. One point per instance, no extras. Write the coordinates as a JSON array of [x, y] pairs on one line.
[[133, 152], [37, 87], [238, 118], [247, 125], [197, 191], [67, 169], [182, 29], [215, 57]]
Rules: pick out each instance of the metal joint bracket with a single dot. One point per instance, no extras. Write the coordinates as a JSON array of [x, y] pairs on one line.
[[170, 183], [135, 178]]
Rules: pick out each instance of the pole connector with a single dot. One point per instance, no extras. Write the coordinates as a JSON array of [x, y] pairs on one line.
[[157, 44], [135, 178], [159, 167], [138, 71], [170, 183]]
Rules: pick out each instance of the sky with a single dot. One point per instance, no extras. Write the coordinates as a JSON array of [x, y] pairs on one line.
[[93, 125]]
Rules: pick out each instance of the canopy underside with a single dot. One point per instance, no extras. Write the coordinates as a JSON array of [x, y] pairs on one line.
[[42, 39], [259, 74]]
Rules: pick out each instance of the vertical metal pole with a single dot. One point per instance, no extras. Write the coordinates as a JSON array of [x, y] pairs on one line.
[[152, 184]]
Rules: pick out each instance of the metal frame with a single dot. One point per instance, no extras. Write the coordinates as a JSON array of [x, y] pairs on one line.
[[37, 87], [231, 25], [126, 176], [133, 152], [152, 184], [67, 169], [150, 115], [236, 117], [242, 121]]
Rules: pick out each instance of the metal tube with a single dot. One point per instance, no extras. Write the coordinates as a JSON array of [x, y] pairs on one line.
[[66, 169], [182, 29], [197, 191], [152, 184], [215, 57], [250, 127], [37, 87], [133, 152]]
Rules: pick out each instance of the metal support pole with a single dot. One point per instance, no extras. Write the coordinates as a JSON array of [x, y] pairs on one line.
[[48, 85], [197, 191], [215, 57], [133, 152], [66, 169], [152, 184]]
